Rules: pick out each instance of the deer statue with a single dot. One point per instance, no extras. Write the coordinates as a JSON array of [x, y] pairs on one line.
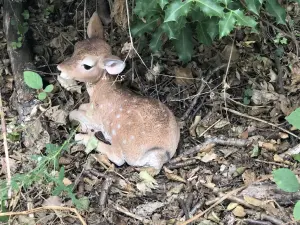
[[141, 131]]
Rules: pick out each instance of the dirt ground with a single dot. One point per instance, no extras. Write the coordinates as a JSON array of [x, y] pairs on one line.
[[230, 113]]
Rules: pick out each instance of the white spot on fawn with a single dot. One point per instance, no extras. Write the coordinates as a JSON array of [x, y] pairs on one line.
[[119, 126], [128, 111], [118, 116], [131, 137], [121, 109], [124, 141], [143, 132], [114, 132]]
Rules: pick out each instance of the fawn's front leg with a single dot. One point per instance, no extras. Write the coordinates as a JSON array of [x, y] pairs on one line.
[[81, 115], [111, 152]]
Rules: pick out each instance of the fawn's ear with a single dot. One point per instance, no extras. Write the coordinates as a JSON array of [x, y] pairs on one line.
[[95, 27], [113, 65]]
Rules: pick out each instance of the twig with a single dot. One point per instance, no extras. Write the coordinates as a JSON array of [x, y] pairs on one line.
[[200, 90], [131, 40], [105, 190], [3, 126], [225, 85], [233, 192], [126, 212], [260, 120], [61, 208]]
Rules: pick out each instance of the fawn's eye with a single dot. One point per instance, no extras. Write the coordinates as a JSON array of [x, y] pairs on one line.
[[87, 67]]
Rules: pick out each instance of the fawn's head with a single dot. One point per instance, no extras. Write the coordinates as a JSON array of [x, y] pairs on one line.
[[92, 57]]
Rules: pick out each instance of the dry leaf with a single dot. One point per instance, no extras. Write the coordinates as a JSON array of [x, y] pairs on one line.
[[147, 209], [184, 76], [67, 181], [53, 201], [119, 13], [235, 55], [253, 201], [239, 211], [192, 128], [151, 74], [248, 177], [57, 115], [232, 205], [209, 157], [260, 97], [278, 158], [268, 146], [175, 177]]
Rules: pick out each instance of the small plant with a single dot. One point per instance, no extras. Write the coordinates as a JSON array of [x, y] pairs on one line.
[[287, 181], [22, 28], [34, 80], [47, 171], [280, 39], [179, 21], [294, 118], [48, 10], [247, 96]]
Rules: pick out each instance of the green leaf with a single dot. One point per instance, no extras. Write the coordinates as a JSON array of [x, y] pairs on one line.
[[184, 44], [296, 211], [33, 80], [242, 19], [172, 29], [156, 41], [210, 8], [19, 44], [202, 34], [91, 144], [42, 96], [82, 203], [146, 8], [294, 118], [177, 9], [254, 5], [141, 28], [296, 157], [255, 150], [225, 2], [49, 88], [61, 174], [275, 9], [226, 24], [286, 180], [3, 219], [162, 3], [25, 14]]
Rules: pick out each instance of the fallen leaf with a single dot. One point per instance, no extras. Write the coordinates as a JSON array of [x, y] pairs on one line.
[[208, 157], [147, 209], [260, 97], [253, 201], [175, 177], [57, 115], [248, 177], [239, 211], [184, 76], [53, 201], [230, 50], [232, 206], [193, 127]]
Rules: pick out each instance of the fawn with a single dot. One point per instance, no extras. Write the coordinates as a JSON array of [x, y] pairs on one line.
[[142, 131]]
